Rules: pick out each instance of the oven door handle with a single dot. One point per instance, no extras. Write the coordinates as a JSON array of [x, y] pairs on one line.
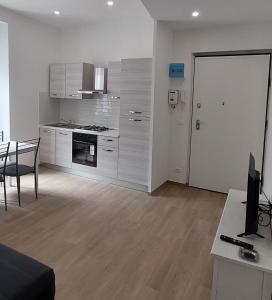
[[85, 143]]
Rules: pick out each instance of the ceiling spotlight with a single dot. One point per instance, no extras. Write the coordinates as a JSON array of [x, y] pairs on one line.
[[110, 3], [56, 12], [195, 14]]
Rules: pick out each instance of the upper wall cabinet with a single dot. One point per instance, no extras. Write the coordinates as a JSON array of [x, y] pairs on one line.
[[114, 77], [78, 77], [67, 79], [57, 80], [136, 83]]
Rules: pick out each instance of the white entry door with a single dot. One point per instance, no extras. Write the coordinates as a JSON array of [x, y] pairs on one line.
[[229, 112]]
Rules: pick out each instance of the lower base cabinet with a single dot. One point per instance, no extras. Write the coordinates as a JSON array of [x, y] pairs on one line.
[[107, 159], [64, 148], [48, 145], [133, 164], [236, 282]]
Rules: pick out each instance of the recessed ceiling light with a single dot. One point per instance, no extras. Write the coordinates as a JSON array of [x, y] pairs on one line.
[[195, 14], [110, 3], [56, 12]]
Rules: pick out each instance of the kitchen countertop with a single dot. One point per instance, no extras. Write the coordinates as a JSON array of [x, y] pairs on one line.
[[110, 133]]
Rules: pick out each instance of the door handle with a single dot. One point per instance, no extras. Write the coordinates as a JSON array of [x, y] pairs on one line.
[[197, 124]]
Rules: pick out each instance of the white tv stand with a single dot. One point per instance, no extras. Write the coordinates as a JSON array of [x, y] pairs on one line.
[[233, 277]]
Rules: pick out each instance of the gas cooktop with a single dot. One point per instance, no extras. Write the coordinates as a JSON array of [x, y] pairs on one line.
[[95, 128]]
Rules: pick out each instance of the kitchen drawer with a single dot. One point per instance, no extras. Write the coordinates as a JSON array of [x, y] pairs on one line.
[[108, 141], [135, 103], [107, 159], [64, 148], [47, 145]]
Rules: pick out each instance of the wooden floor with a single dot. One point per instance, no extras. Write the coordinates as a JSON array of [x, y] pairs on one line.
[[106, 242]]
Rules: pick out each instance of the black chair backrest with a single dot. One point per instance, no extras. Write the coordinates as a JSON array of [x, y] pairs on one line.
[[4, 151], [1, 136], [26, 147]]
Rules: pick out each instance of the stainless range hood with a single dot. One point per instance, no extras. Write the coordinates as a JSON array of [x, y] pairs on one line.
[[99, 82]]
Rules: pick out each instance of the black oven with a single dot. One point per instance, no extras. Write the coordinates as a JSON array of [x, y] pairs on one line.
[[85, 149]]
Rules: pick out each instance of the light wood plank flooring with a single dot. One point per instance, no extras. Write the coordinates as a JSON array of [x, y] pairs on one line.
[[110, 243]]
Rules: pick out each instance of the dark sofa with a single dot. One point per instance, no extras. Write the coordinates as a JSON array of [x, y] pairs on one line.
[[23, 278]]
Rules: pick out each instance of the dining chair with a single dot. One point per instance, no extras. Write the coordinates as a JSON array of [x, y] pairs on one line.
[[18, 170], [4, 151]]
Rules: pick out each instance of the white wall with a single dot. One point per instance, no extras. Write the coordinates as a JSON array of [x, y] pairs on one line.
[[163, 42], [32, 46], [243, 37], [4, 81], [102, 42], [49, 109], [99, 43]]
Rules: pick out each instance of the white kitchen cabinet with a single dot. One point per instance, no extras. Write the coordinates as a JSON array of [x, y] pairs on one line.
[[67, 79], [267, 287], [107, 159], [64, 148], [79, 76], [233, 277], [114, 78], [136, 84], [135, 107], [57, 80], [237, 282], [133, 164], [47, 145]]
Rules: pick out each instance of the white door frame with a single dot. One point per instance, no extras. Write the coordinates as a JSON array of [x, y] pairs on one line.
[[229, 53]]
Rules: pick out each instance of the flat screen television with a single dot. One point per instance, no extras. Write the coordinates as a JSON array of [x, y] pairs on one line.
[[252, 204]]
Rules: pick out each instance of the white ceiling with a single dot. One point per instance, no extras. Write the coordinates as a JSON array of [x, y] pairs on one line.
[[212, 12], [77, 11], [176, 12]]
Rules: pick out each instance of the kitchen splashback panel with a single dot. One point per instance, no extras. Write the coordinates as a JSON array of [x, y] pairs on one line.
[[103, 112]]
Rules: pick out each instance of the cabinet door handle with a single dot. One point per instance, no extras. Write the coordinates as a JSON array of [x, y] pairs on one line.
[[106, 140], [63, 133], [132, 112], [135, 120], [54, 94], [73, 95], [115, 97], [107, 150]]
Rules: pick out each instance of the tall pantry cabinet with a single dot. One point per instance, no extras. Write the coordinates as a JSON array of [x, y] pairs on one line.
[[135, 107]]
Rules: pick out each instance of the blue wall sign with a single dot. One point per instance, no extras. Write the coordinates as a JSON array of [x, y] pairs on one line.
[[176, 70]]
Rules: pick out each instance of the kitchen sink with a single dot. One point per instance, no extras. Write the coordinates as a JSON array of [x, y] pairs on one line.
[[66, 125]]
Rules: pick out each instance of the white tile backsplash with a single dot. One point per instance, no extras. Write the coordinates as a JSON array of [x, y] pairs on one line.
[[104, 111]]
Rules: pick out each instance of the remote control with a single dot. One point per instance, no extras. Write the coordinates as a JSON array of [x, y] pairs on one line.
[[236, 242]]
